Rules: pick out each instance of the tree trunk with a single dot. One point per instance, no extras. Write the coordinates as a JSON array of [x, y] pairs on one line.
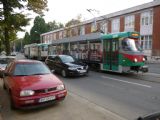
[[7, 43]]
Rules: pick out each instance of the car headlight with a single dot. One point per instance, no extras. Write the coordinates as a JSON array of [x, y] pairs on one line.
[[26, 93], [135, 60], [60, 87], [72, 68]]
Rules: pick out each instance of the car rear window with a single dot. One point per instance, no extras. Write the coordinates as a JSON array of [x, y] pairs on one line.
[[30, 69]]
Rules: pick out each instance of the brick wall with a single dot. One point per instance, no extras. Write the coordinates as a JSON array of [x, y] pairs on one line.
[[121, 24], [88, 28], [57, 35], [109, 26], [137, 22], [156, 32]]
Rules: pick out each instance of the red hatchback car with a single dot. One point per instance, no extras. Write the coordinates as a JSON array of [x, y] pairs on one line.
[[30, 84]]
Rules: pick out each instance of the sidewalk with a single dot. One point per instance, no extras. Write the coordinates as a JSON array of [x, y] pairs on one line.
[[74, 107], [1, 117], [153, 60]]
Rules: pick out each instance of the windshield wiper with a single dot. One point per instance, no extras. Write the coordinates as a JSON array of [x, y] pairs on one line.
[[20, 75], [38, 73]]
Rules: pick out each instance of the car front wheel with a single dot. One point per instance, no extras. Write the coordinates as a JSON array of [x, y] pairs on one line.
[[4, 86], [12, 106]]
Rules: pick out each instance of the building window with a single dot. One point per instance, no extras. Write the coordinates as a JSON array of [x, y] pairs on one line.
[[146, 42], [47, 37], [115, 25], [54, 36], [129, 23], [82, 30], [103, 27], [147, 18], [94, 26], [64, 33], [75, 31], [60, 35], [50, 38]]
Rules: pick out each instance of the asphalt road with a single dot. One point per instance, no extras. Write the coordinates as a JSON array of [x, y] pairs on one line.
[[154, 68], [100, 96], [125, 95], [74, 107]]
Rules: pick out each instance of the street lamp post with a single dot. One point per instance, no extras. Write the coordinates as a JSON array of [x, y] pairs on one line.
[[95, 24]]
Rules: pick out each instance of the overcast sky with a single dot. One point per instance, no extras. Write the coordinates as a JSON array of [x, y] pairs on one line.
[[65, 10]]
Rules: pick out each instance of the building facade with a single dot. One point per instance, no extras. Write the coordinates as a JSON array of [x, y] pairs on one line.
[[144, 18]]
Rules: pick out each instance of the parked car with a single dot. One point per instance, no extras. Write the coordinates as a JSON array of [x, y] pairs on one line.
[[49, 61], [13, 53], [31, 84], [66, 65], [4, 60]]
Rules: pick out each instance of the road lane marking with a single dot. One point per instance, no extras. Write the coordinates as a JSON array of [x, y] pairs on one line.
[[127, 82]]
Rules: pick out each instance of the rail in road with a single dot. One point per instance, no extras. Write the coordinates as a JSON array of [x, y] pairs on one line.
[[128, 96]]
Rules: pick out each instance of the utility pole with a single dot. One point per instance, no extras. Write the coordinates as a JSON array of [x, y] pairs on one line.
[[92, 11]]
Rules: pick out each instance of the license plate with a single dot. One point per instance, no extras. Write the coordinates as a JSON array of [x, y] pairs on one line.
[[47, 99], [82, 71]]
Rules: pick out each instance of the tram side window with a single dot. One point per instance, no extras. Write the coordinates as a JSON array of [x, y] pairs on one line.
[[44, 48], [125, 45]]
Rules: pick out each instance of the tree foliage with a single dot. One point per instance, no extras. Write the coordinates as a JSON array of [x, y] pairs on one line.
[[75, 21], [12, 21], [38, 28], [26, 39], [72, 22], [54, 25]]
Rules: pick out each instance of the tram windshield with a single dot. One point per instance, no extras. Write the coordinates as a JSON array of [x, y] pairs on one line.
[[130, 45]]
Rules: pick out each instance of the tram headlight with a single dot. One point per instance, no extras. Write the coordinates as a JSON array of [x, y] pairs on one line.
[[135, 60], [144, 59]]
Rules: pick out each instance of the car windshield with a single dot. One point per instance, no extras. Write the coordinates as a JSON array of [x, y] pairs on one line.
[[130, 45], [30, 69], [67, 59]]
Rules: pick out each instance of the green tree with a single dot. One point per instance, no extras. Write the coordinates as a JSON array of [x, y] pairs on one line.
[[38, 28], [75, 21], [72, 22], [26, 39], [12, 21], [54, 25]]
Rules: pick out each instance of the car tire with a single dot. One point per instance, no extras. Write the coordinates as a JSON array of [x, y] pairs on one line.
[[12, 106], [4, 86], [87, 74], [64, 74]]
